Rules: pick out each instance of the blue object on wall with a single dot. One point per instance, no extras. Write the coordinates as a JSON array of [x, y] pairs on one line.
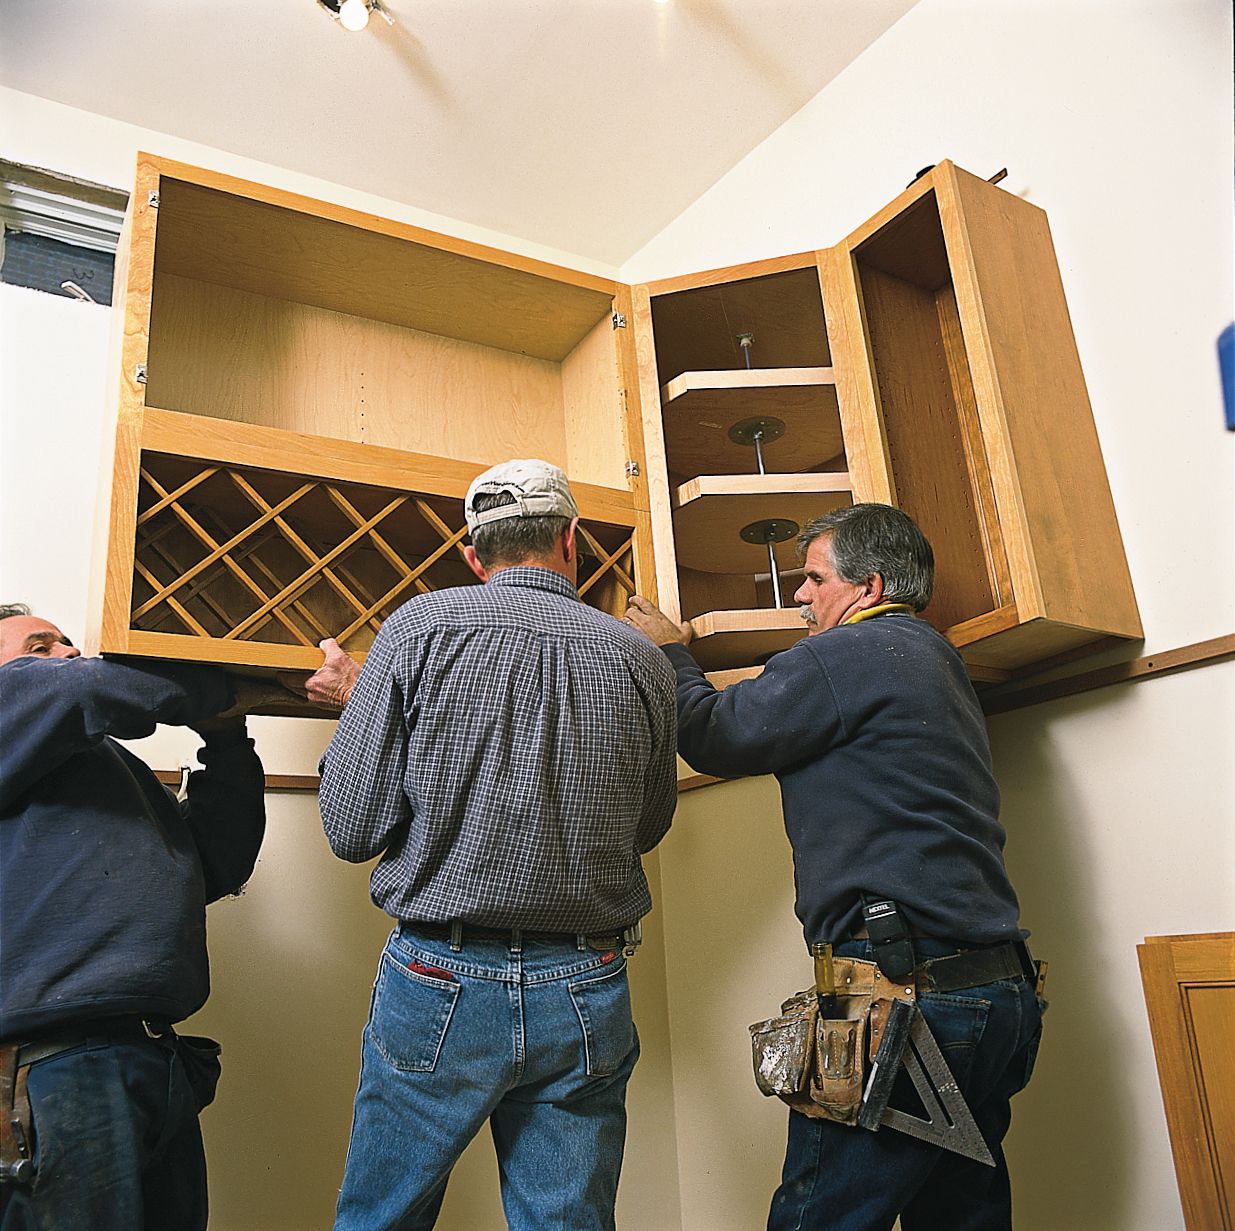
[[1226, 361]]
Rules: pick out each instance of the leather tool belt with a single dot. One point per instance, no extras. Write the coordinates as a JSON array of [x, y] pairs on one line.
[[817, 1065]]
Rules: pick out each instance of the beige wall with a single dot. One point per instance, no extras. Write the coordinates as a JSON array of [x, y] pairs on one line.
[[1116, 119]]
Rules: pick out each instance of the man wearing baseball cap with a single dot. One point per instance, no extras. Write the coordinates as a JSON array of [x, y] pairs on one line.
[[508, 752]]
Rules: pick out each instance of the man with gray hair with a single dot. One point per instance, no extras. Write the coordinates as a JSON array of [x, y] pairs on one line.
[[875, 735], [104, 880], [508, 752]]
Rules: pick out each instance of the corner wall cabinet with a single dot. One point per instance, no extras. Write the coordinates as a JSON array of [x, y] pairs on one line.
[[305, 392]]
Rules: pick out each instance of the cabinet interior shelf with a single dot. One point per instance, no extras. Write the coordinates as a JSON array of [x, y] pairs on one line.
[[701, 407], [710, 512], [728, 639]]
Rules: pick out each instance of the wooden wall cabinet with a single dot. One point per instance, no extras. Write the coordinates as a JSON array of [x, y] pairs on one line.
[[306, 391], [926, 361], [305, 394]]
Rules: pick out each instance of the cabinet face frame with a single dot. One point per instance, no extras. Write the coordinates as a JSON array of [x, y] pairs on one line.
[[559, 290]]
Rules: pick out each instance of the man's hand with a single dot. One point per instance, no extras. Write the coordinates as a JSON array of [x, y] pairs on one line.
[[654, 624], [247, 695], [332, 683], [219, 724]]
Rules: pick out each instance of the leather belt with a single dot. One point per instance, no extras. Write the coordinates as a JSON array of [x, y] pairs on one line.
[[974, 967], [112, 1029], [513, 938]]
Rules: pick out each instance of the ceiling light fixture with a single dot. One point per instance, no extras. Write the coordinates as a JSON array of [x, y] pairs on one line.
[[354, 14]]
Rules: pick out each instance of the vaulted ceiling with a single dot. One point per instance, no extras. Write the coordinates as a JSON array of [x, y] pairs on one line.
[[585, 125]]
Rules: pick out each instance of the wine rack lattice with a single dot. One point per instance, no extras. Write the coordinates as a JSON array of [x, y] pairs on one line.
[[240, 554]]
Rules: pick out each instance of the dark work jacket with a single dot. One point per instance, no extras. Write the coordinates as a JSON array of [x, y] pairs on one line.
[[104, 876], [876, 737]]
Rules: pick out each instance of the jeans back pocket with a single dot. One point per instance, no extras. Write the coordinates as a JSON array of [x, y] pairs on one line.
[[603, 1007], [411, 1013]]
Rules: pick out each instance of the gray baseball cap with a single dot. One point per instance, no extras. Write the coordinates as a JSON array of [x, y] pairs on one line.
[[540, 489]]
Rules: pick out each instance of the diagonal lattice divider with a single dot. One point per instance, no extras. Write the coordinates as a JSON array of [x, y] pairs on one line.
[[318, 567], [452, 538], [235, 554], [240, 554], [221, 552], [608, 562]]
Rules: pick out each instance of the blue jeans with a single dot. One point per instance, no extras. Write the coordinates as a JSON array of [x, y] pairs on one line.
[[845, 1178], [538, 1042], [117, 1146]]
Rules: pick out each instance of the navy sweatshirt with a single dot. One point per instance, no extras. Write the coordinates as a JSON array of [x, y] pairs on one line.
[[104, 876], [876, 737]]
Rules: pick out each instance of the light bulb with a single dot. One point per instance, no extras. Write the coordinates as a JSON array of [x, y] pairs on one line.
[[354, 14]]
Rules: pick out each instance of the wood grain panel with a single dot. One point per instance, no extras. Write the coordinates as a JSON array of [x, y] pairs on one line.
[[593, 413], [110, 618], [857, 393], [727, 639], [244, 444], [703, 592], [1032, 396], [1189, 984], [976, 462], [701, 407], [289, 247], [732, 273], [697, 330], [669, 599], [925, 443], [638, 477], [712, 510], [234, 355]]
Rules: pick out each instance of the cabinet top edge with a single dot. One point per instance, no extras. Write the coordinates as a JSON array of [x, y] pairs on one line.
[[730, 273]]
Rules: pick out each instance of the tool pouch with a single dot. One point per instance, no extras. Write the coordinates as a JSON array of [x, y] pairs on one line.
[[836, 1082], [784, 1048], [818, 1066]]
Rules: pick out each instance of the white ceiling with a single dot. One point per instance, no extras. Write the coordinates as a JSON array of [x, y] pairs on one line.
[[584, 125]]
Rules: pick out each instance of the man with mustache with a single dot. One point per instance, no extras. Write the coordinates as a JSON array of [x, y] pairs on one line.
[[875, 735]]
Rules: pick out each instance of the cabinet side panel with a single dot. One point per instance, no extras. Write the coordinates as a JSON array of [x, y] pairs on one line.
[[112, 571], [1027, 372], [925, 443], [856, 392], [627, 351], [658, 486]]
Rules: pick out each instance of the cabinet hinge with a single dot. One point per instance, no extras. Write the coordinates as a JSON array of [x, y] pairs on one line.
[[619, 320], [139, 373], [632, 469], [152, 199]]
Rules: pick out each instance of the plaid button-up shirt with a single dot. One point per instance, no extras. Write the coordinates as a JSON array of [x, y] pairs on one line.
[[509, 752]]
